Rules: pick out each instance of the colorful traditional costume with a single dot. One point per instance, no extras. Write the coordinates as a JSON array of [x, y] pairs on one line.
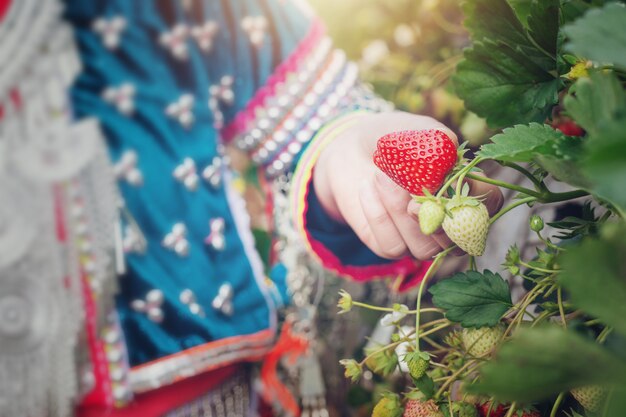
[[130, 279]]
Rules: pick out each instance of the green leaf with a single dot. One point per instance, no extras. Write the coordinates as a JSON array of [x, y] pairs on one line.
[[473, 299], [426, 385], [522, 9], [543, 361], [562, 160], [599, 35], [491, 19], [502, 85], [594, 274], [605, 163], [543, 24], [522, 143], [505, 78], [595, 101]]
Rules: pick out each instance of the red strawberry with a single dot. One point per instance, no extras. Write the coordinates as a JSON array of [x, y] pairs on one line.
[[569, 127], [416, 159], [489, 409]]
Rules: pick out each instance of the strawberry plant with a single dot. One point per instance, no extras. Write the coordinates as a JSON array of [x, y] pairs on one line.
[[549, 77]]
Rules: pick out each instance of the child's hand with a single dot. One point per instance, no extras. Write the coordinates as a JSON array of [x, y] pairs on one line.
[[354, 191]]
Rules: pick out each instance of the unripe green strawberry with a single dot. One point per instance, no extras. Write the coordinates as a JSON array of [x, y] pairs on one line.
[[417, 408], [590, 397], [467, 224], [481, 341], [430, 216], [417, 367], [463, 409], [388, 406]]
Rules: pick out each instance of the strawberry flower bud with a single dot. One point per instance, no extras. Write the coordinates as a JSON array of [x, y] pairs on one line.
[[345, 302], [353, 369]]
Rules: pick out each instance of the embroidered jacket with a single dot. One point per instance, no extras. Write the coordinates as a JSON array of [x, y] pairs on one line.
[[172, 84]]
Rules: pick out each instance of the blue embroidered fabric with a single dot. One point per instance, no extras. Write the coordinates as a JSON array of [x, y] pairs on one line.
[[157, 324]]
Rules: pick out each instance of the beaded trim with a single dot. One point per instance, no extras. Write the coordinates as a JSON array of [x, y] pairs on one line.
[[230, 399], [244, 119], [202, 358], [317, 85]]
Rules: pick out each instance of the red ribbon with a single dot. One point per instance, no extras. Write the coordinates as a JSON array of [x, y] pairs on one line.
[[289, 346]]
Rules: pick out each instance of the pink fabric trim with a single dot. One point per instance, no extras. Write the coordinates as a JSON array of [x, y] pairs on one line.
[[411, 269], [240, 122], [4, 7]]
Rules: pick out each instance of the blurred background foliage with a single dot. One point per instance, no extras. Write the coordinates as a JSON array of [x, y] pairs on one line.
[[407, 50]]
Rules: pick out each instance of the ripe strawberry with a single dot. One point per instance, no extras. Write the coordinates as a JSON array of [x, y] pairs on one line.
[[416, 159], [430, 216], [479, 342], [467, 224], [489, 409], [569, 127], [417, 408], [590, 397], [388, 406], [530, 413]]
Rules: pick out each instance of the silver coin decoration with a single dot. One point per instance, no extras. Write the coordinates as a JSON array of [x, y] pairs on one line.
[[216, 238], [223, 302], [17, 232]]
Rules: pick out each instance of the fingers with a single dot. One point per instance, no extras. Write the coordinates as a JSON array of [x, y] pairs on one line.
[[396, 200], [389, 242]]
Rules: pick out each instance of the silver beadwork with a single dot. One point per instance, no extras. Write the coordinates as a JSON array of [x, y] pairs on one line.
[[121, 97], [223, 301], [213, 172], [216, 237], [151, 306], [110, 30], [175, 41], [204, 34], [176, 240], [186, 173], [221, 92], [188, 298], [255, 27], [182, 110], [133, 241], [126, 168]]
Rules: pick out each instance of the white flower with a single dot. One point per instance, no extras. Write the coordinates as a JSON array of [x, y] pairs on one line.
[[404, 35], [390, 319], [403, 348], [374, 52]]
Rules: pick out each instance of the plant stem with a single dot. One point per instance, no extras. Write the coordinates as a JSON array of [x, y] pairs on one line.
[[544, 197], [429, 272], [604, 334], [557, 197], [382, 349], [434, 330], [540, 185], [503, 184], [559, 300], [511, 409], [453, 377], [505, 210], [391, 310], [464, 170], [536, 268], [557, 402]]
